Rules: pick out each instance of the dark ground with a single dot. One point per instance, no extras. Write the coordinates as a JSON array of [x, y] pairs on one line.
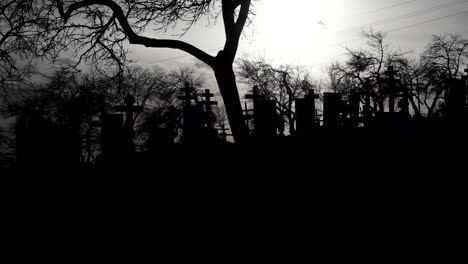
[[349, 196]]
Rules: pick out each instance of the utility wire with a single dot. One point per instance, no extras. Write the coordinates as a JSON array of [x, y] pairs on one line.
[[409, 15], [381, 9], [409, 26]]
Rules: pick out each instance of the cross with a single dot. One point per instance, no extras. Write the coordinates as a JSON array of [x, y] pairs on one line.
[[254, 95], [247, 111], [391, 79], [305, 112], [311, 95], [209, 116], [129, 109], [188, 95], [248, 114], [208, 103], [223, 130], [390, 71]]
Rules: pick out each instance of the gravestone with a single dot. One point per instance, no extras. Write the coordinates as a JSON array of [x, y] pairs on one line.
[[193, 116], [209, 117], [367, 101], [264, 115], [391, 89], [456, 100], [113, 143], [403, 103], [305, 113], [331, 110], [129, 108], [465, 83], [354, 103]]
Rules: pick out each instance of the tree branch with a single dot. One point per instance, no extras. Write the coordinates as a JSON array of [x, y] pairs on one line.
[[133, 37]]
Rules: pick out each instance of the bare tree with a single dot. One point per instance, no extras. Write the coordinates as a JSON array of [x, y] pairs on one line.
[[283, 84], [369, 64], [440, 62], [21, 29], [98, 30]]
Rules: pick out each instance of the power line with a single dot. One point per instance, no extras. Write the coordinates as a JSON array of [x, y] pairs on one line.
[[412, 14], [427, 21], [408, 26], [382, 8]]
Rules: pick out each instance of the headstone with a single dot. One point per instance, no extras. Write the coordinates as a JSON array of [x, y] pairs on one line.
[[209, 117], [248, 115], [331, 110], [192, 116], [265, 119], [367, 101], [391, 88], [354, 103], [456, 100], [113, 143], [465, 83], [305, 113], [129, 108]]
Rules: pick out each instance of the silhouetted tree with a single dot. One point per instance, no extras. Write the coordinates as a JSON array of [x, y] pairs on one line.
[[440, 62], [370, 63], [164, 113], [22, 26], [98, 29], [283, 84]]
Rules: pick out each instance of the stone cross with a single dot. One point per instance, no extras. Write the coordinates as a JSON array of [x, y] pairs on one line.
[[129, 108], [391, 93]]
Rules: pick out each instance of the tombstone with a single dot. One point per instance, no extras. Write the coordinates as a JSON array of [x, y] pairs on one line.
[[456, 100], [209, 117], [305, 113], [354, 103], [331, 110], [465, 84], [264, 115], [265, 119], [367, 101], [248, 116], [391, 89], [403, 103], [193, 116], [113, 143], [129, 108]]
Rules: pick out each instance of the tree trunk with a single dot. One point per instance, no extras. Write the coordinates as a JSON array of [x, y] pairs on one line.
[[227, 86]]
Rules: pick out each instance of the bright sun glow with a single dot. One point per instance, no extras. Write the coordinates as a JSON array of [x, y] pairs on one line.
[[297, 31]]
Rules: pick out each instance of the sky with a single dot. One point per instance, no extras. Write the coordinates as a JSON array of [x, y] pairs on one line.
[[314, 33]]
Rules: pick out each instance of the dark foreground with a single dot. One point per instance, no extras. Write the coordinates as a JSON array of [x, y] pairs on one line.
[[351, 197]]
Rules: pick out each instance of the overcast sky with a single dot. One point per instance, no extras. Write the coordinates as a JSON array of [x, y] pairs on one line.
[[313, 33]]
